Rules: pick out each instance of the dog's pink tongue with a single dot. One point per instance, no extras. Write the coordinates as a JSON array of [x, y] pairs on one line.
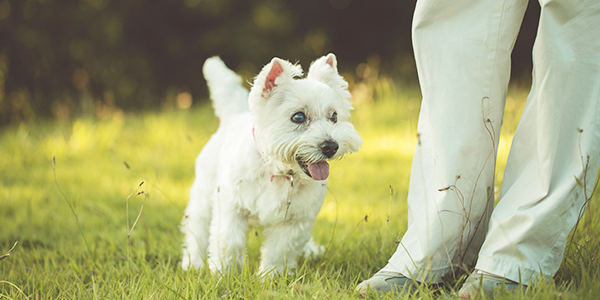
[[319, 171]]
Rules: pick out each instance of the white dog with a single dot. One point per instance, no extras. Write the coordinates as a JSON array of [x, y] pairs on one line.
[[267, 163]]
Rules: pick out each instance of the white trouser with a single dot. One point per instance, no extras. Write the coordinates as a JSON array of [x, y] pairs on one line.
[[462, 49]]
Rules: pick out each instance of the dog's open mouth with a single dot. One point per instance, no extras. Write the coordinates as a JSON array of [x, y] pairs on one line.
[[317, 171]]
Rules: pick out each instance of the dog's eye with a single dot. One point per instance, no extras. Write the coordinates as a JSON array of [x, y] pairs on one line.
[[299, 118], [333, 117]]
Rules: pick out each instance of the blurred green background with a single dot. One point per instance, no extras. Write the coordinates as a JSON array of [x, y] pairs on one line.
[[97, 96], [67, 58]]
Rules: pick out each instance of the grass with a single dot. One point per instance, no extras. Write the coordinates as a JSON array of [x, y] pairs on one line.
[[79, 236]]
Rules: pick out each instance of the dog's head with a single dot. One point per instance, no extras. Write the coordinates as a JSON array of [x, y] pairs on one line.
[[301, 123]]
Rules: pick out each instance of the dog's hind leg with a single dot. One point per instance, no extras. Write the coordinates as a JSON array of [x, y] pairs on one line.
[[195, 225], [227, 234], [196, 221]]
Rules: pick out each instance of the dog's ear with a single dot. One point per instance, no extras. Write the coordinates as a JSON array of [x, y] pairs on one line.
[[276, 70], [325, 70], [274, 74]]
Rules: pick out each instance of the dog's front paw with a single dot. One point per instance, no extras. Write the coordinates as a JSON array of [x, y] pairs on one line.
[[216, 267], [313, 250], [191, 259]]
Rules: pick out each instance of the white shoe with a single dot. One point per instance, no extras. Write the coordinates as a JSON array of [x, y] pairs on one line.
[[489, 284], [386, 281]]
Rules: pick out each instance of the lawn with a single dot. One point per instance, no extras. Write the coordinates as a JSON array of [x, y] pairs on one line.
[[71, 191]]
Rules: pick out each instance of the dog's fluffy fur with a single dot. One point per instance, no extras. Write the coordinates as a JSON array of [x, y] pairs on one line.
[[267, 163]]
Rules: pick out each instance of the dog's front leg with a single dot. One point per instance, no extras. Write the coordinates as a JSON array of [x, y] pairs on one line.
[[227, 237], [284, 242]]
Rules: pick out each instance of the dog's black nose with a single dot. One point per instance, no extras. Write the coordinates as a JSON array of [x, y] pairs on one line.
[[329, 148]]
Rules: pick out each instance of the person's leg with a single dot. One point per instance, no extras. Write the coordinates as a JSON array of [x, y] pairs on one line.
[[541, 200], [462, 50], [463, 59]]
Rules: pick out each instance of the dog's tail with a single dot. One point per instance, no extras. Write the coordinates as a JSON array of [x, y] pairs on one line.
[[228, 95]]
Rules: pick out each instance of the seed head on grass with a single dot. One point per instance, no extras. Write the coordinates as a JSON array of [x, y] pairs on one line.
[[130, 230], [8, 253], [583, 184]]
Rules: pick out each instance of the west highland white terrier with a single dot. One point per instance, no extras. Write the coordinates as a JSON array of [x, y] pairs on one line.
[[267, 164]]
